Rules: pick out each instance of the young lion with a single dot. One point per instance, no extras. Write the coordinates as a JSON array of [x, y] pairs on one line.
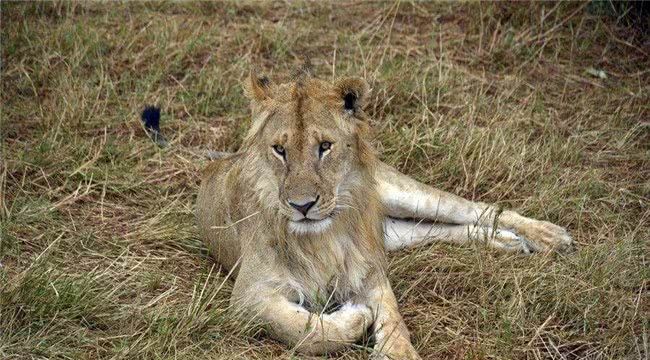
[[303, 214]]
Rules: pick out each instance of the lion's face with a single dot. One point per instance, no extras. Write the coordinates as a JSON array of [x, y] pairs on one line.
[[309, 136]]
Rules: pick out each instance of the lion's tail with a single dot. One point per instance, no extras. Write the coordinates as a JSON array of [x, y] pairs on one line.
[[151, 120]]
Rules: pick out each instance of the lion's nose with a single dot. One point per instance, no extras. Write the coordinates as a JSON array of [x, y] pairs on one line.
[[305, 206]]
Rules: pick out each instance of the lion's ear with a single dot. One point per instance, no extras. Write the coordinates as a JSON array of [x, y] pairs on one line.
[[257, 87], [353, 92]]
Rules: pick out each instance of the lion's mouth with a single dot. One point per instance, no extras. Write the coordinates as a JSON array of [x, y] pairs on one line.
[[310, 221], [309, 226]]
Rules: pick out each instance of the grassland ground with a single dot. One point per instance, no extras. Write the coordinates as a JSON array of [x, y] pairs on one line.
[[540, 107]]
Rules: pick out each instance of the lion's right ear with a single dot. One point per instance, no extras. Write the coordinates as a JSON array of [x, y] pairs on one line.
[[257, 87], [353, 92]]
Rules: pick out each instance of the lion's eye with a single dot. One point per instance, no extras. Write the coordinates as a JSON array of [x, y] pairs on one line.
[[279, 149], [324, 147]]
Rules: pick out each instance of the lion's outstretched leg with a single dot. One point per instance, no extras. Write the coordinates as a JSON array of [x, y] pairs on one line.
[[400, 234], [406, 198]]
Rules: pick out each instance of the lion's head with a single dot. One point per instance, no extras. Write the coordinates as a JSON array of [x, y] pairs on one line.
[[309, 137]]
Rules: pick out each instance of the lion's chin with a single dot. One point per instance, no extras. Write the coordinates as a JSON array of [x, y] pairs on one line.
[[307, 226]]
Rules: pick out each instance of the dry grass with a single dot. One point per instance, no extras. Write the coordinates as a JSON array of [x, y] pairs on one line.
[[99, 250]]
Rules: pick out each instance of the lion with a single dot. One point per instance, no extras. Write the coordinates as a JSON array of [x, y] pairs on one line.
[[303, 214]]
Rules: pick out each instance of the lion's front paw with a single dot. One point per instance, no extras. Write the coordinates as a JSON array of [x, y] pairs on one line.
[[545, 236], [352, 320]]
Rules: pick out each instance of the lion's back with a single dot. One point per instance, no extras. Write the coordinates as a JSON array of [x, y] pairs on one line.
[[217, 193]]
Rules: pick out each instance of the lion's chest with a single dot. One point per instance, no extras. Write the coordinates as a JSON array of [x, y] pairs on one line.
[[330, 272]]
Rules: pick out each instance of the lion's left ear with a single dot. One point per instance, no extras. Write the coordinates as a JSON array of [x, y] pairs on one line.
[[353, 92], [257, 87]]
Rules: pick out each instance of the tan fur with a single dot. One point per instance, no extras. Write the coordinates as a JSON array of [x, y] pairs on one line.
[[290, 265]]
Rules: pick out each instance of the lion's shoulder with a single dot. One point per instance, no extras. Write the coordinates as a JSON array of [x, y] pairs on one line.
[[218, 165]]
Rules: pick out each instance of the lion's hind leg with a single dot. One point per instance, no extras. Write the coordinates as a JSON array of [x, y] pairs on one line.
[[406, 198], [400, 234]]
